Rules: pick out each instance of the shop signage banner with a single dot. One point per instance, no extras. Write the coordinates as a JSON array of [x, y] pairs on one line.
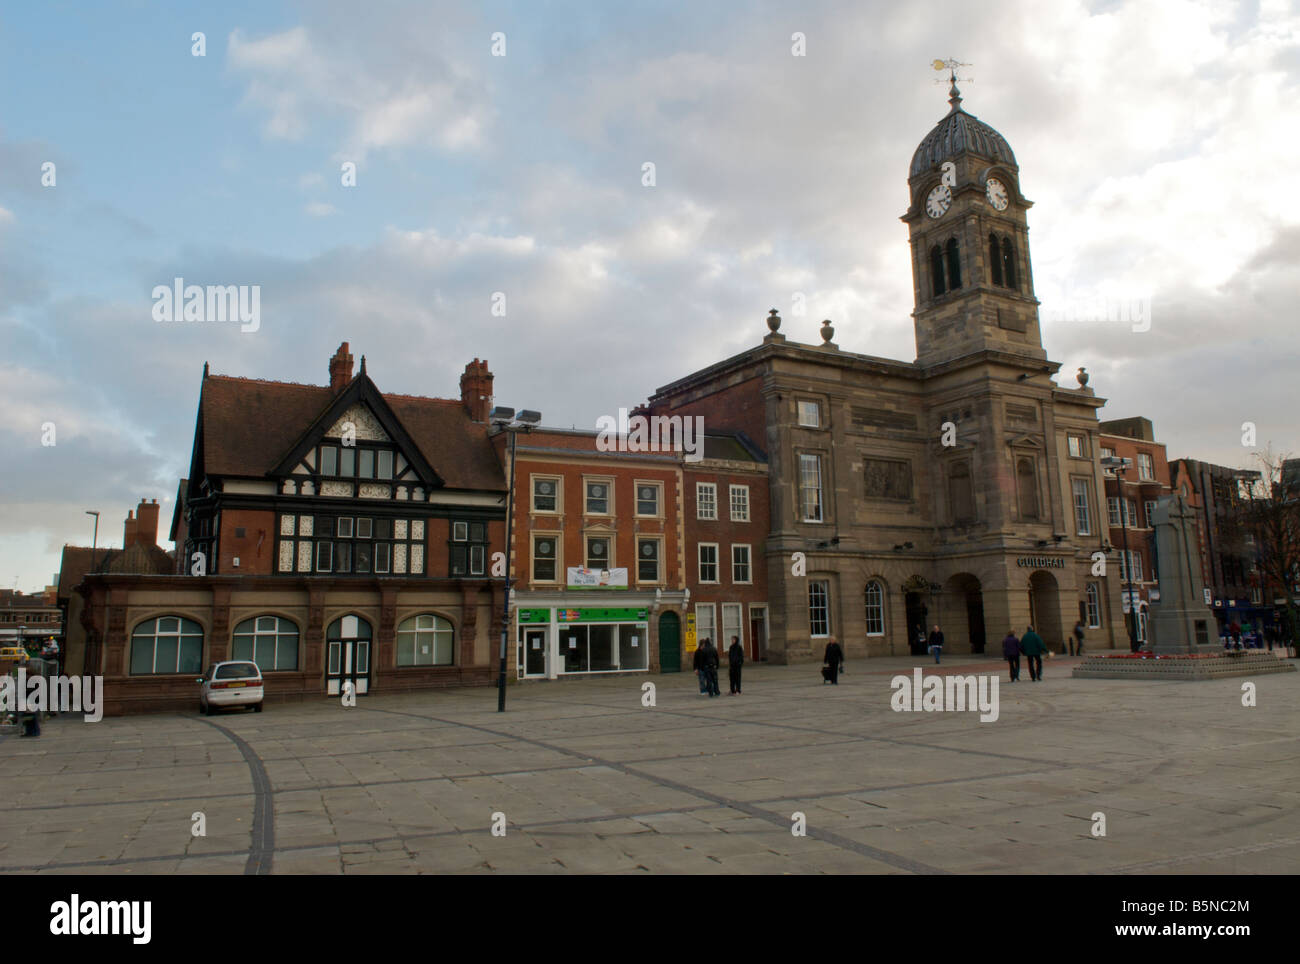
[[589, 615], [579, 578], [534, 615], [691, 644]]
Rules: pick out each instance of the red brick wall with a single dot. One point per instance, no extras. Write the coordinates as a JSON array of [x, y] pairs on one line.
[[577, 524], [726, 533], [739, 408], [258, 526]]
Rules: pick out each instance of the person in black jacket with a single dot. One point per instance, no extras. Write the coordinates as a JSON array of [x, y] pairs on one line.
[[710, 663], [936, 642], [735, 660], [833, 658], [699, 666]]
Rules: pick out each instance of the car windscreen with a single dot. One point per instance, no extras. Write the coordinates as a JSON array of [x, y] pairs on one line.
[[237, 671]]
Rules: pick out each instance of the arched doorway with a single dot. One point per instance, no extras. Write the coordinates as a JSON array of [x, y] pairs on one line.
[[1045, 609], [915, 593], [670, 640], [968, 601], [347, 644]]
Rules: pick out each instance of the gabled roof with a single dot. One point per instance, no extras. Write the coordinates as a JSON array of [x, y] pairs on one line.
[[249, 427]]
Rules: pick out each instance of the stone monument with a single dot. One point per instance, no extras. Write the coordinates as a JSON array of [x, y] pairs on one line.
[[1179, 621]]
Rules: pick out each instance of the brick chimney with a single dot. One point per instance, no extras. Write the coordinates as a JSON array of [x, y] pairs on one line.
[[129, 529], [340, 369], [146, 523], [476, 390]]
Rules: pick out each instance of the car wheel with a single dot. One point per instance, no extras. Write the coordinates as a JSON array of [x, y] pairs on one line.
[[257, 707]]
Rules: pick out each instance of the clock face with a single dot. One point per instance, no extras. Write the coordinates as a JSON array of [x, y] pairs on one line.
[[996, 192], [937, 203]]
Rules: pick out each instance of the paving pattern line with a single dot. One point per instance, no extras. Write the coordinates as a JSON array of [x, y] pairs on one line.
[[826, 836], [261, 850]]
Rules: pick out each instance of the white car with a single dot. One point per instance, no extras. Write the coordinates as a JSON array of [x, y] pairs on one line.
[[234, 683]]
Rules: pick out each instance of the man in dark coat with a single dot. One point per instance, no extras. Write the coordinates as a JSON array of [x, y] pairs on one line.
[[735, 660], [1011, 652], [936, 642], [1077, 637], [833, 658], [699, 666], [1032, 645], [710, 664]]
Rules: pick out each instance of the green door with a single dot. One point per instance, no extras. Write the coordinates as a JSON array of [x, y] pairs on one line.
[[670, 643]]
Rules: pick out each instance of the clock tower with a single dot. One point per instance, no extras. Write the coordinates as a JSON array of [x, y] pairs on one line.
[[971, 277]]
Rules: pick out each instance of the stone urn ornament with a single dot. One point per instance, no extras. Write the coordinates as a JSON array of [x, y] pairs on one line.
[[828, 332], [1082, 376], [773, 321]]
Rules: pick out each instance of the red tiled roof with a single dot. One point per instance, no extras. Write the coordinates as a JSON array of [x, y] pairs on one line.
[[137, 559], [249, 425]]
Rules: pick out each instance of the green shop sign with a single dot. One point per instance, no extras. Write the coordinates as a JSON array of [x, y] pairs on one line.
[[600, 615], [534, 615]]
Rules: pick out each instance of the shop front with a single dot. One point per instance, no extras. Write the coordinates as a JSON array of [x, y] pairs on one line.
[[568, 636]]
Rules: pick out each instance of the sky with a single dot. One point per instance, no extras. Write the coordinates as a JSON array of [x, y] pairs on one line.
[[500, 150]]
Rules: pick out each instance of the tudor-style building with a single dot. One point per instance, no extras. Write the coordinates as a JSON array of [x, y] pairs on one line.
[[332, 533], [962, 488]]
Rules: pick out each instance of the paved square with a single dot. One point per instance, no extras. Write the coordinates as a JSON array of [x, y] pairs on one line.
[[590, 781]]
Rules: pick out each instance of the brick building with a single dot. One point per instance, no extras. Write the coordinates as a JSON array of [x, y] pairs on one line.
[[332, 533], [1131, 497]]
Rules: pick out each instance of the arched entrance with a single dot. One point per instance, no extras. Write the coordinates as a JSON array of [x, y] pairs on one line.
[[1045, 609], [915, 593], [670, 640], [347, 643], [968, 601]]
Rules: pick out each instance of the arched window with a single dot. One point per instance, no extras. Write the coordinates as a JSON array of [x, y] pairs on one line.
[[954, 265], [269, 641], [1009, 263], [960, 494], [875, 603], [995, 260], [1027, 487], [936, 269], [168, 644], [425, 640]]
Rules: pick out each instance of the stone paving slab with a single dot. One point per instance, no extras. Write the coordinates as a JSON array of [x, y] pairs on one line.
[[591, 781]]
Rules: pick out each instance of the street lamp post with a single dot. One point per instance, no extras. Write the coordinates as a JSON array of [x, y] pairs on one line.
[[1120, 465], [506, 420]]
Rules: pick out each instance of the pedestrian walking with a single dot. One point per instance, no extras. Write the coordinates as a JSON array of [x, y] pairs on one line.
[[1234, 630], [735, 660], [710, 663], [936, 642], [699, 666], [833, 658], [1032, 645], [1011, 652], [1077, 638]]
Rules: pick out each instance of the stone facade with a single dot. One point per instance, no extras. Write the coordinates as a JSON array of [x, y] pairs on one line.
[[961, 489]]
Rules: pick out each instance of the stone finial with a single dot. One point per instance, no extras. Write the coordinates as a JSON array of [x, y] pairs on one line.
[[828, 332], [1082, 376], [773, 321]]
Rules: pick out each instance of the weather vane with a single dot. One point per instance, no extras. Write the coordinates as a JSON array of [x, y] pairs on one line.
[[951, 66]]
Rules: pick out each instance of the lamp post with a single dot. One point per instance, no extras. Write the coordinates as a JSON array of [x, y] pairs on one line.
[[94, 539], [506, 420], [1120, 466]]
